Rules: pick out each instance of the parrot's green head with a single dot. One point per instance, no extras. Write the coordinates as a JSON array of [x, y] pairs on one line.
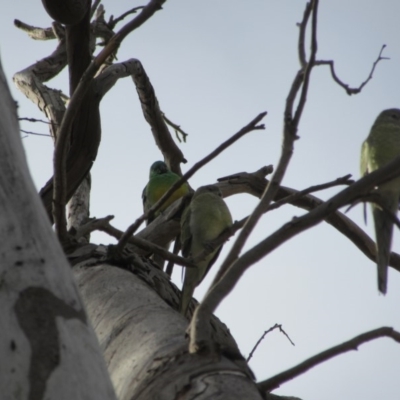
[[389, 117], [208, 189], [158, 168]]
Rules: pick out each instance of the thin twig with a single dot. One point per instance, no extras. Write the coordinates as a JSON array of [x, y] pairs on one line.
[[302, 35], [34, 120], [276, 326], [60, 152], [352, 344], [345, 86], [309, 67], [112, 22], [248, 128], [35, 133], [344, 180], [177, 128]]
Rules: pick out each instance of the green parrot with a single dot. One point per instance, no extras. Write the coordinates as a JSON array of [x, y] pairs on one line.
[[382, 146], [202, 221], [160, 180]]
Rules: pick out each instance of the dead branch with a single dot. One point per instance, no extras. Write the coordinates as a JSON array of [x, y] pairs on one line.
[[30, 82], [94, 7], [176, 128], [103, 224], [290, 135], [344, 180], [61, 148], [290, 199], [345, 86], [199, 334], [172, 154], [33, 120], [276, 326], [113, 22], [221, 288], [35, 133], [301, 48], [352, 344], [35, 32]]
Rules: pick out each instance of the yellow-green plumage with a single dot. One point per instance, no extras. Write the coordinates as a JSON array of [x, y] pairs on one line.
[[206, 217], [382, 146], [160, 180]]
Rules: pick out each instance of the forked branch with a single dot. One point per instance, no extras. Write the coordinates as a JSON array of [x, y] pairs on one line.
[[352, 344]]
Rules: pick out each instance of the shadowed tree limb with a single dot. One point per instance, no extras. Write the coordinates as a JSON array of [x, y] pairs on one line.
[[172, 154]]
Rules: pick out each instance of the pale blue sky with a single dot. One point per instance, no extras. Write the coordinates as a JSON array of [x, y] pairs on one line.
[[215, 65]]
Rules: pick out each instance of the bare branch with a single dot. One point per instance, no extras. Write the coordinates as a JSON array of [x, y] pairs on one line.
[[30, 82], [172, 154], [35, 32], [293, 125], [221, 288], [255, 184], [290, 199], [60, 153], [113, 22], [344, 180], [248, 128], [153, 248], [103, 224], [35, 133], [176, 128], [94, 224], [94, 8], [33, 120], [276, 326], [352, 344], [345, 86], [302, 35], [290, 130]]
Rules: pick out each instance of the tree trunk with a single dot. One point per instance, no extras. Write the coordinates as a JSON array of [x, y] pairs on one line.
[[143, 339], [48, 347]]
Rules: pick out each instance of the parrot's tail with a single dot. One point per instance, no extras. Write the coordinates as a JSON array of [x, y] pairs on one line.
[[384, 231]]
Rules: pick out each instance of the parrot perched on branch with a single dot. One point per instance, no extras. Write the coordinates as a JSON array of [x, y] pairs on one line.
[[205, 218], [382, 146], [160, 180]]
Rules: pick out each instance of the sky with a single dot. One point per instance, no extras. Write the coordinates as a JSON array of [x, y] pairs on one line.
[[215, 65]]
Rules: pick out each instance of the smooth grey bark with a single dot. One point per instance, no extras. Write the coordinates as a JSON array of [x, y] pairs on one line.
[[48, 348], [142, 335]]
